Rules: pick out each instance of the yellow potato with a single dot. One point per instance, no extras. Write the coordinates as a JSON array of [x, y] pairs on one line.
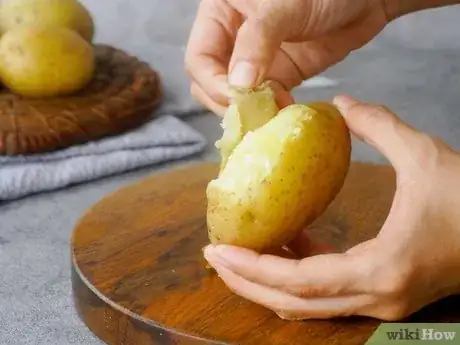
[[249, 110], [45, 61], [279, 178], [66, 13]]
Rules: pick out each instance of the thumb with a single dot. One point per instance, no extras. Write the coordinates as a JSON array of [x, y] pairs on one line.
[[256, 45], [384, 130]]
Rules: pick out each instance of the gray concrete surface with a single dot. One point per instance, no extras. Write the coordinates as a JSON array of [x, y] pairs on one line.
[[412, 67]]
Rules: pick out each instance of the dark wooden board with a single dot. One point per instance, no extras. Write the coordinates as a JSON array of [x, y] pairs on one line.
[[121, 96], [139, 277]]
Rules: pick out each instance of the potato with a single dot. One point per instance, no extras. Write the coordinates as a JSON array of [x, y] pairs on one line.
[[45, 61], [250, 110], [66, 13], [279, 178]]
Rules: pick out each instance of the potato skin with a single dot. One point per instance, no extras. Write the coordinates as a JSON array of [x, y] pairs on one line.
[[280, 178], [64, 13], [45, 61]]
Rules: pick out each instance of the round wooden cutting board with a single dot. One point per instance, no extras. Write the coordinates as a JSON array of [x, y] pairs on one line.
[[139, 277]]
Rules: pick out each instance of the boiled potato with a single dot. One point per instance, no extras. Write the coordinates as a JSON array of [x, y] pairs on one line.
[[45, 61], [279, 178], [66, 13], [249, 110]]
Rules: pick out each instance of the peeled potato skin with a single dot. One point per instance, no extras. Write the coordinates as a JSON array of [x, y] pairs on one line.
[[280, 178]]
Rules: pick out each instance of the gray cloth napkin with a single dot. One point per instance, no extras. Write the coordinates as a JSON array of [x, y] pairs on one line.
[[139, 28], [162, 139]]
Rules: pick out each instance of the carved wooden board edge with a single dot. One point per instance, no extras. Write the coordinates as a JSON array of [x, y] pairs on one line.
[[112, 323], [121, 96]]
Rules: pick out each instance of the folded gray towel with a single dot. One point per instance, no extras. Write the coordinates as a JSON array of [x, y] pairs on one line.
[[162, 139]]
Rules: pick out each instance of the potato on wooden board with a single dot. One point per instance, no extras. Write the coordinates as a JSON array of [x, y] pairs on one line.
[[45, 61], [67, 13], [279, 178]]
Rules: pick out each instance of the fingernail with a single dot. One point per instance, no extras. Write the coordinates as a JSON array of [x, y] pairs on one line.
[[208, 250], [243, 74], [225, 255], [213, 255], [344, 102]]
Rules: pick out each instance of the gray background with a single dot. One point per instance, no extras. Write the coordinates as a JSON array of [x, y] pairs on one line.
[[412, 67]]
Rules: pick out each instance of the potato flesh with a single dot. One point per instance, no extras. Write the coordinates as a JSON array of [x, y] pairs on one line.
[[250, 109], [279, 178]]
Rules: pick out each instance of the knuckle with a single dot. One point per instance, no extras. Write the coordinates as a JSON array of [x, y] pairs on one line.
[[216, 96], [375, 119], [391, 278], [190, 60], [380, 115], [207, 95], [426, 153], [392, 283], [394, 311], [194, 92], [372, 114], [188, 64]]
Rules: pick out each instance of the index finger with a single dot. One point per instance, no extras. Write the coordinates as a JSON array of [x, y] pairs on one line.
[[322, 275], [210, 46]]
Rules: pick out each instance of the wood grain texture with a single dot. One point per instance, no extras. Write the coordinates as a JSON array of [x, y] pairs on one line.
[[121, 96], [139, 277]]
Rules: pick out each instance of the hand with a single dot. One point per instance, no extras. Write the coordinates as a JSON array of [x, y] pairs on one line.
[[282, 41], [414, 260]]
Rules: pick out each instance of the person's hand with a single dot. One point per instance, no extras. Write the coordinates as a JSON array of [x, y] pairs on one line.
[[246, 42], [413, 261]]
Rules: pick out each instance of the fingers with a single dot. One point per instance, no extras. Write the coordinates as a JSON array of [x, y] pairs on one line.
[[283, 98], [206, 101], [257, 43], [255, 49], [209, 48], [324, 286], [314, 56], [288, 306], [319, 276], [208, 54], [268, 43], [401, 144]]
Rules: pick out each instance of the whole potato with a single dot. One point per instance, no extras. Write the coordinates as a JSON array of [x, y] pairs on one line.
[[45, 61], [279, 178], [66, 13]]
